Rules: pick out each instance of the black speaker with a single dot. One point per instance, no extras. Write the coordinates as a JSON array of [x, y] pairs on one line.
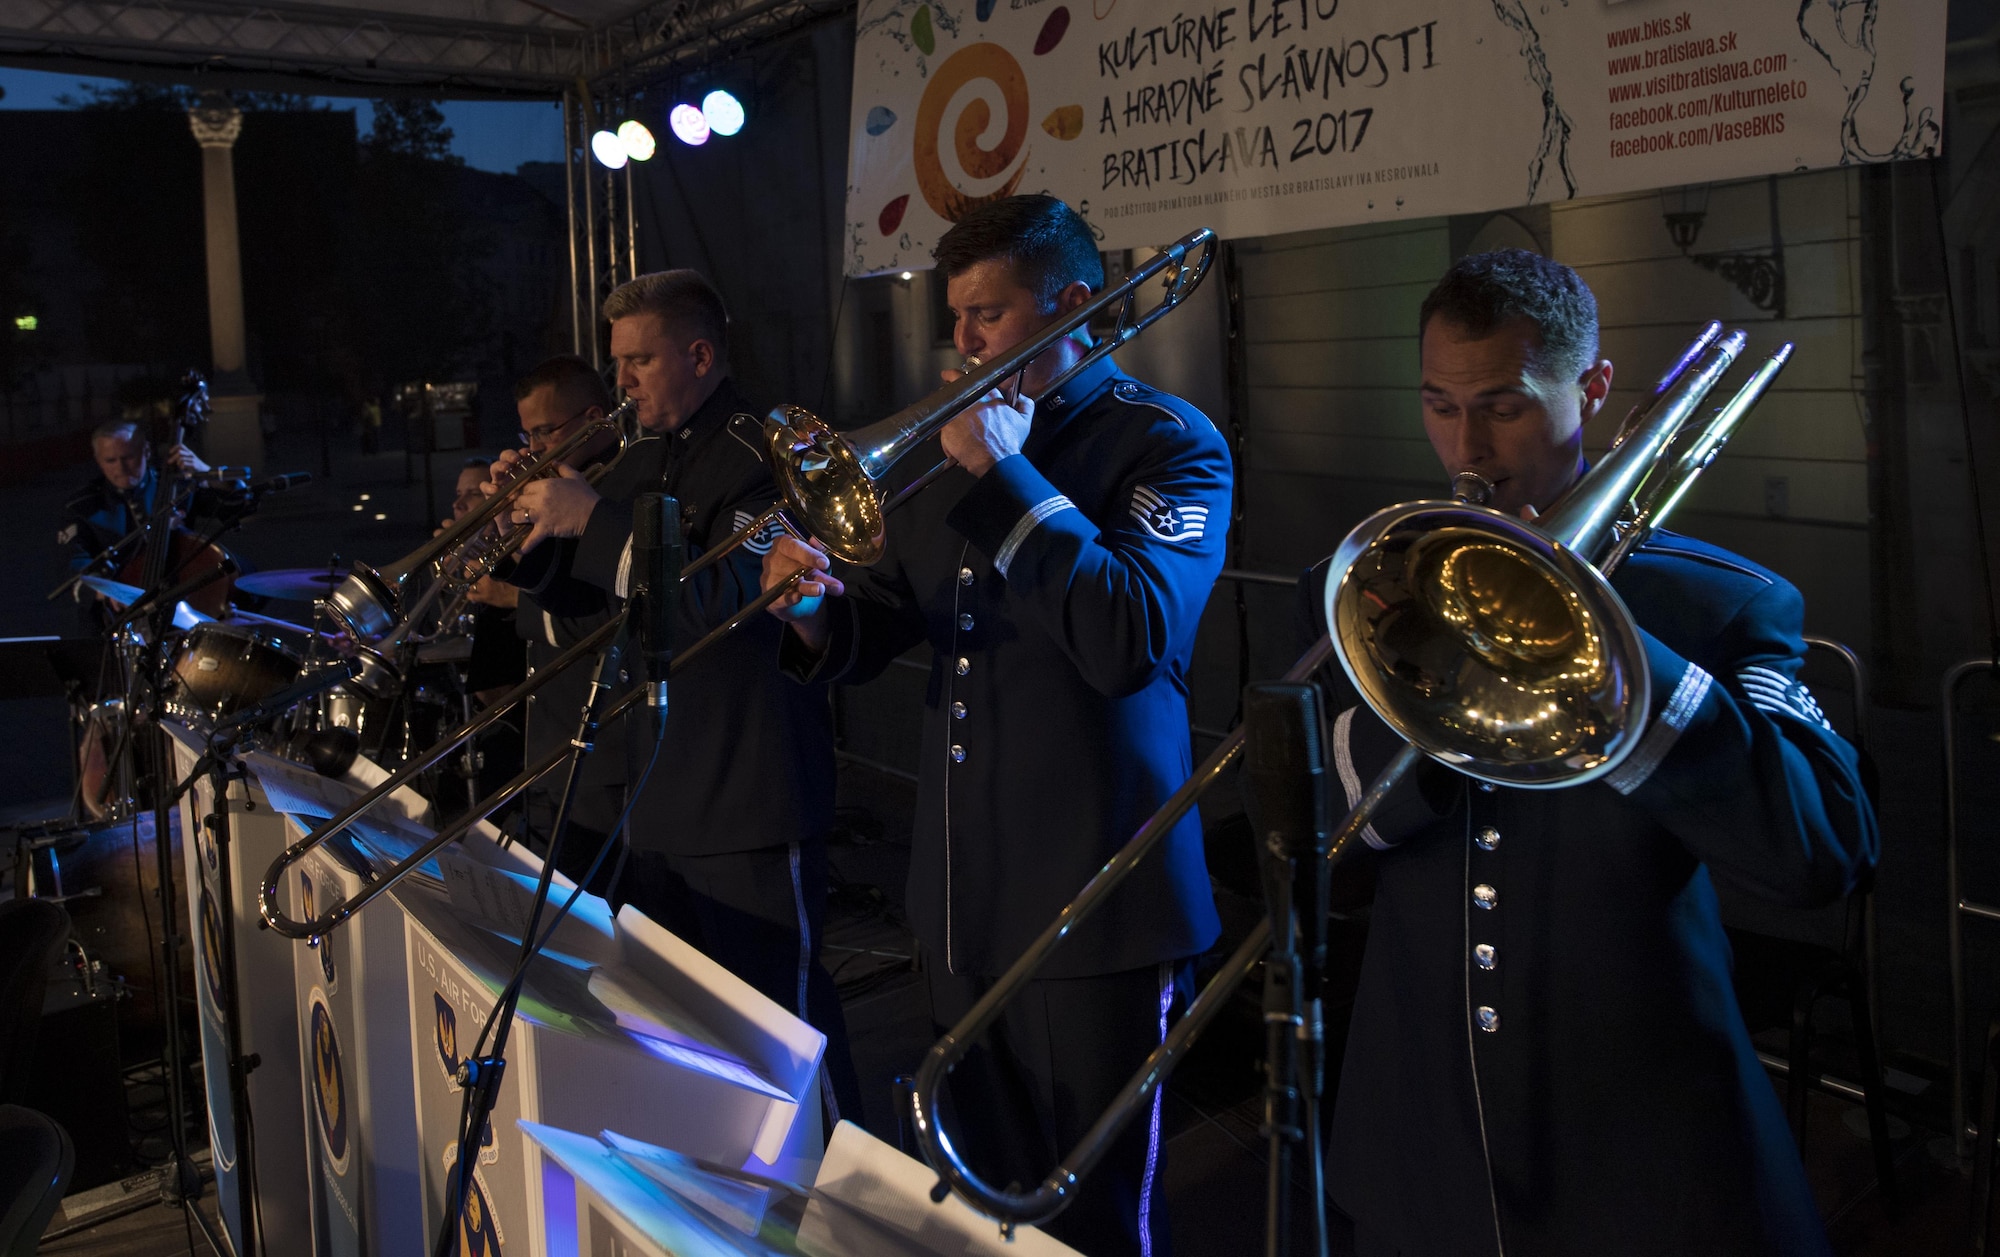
[[76, 1079]]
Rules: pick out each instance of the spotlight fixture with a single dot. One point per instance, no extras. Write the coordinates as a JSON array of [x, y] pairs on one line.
[[608, 149], [723, 112], [690, 127], [638, 141]]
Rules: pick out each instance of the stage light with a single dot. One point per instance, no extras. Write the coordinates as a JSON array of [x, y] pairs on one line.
[[688, 124], [608, 149], [26, 323], [638, 141], [723, 112], [907, 276]]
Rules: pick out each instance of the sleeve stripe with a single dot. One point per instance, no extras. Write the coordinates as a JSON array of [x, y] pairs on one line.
[[1026, 525], [1350, 780], [623, 580], [1666, 730]]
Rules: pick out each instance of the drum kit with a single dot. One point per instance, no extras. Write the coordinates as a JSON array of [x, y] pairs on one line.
[[221, 669]]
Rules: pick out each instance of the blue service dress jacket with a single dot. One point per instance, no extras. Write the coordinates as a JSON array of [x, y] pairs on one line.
[[98, 516], [1059, 594], [748, 756], [1546, 1055], [572, 611]]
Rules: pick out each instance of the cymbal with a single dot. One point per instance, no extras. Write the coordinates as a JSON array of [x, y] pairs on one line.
[[117, 591], [298, 584]]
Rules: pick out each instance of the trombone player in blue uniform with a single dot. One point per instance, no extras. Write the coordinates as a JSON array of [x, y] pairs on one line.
[[1058, 574], [1546, 1055]]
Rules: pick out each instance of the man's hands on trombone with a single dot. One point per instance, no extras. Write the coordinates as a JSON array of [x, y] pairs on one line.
[[984, 434], [554, 506], [804, 605]]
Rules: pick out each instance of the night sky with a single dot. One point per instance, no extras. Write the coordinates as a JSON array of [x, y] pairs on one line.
[[489, 135]]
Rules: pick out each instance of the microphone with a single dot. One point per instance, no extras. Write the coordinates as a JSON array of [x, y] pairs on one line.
[[658, 550], [1284, 768], [244, 487], [278, 484]]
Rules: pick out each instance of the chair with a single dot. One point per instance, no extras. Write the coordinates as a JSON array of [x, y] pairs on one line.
[[35, 1161], [32, 934], [1788, 961]]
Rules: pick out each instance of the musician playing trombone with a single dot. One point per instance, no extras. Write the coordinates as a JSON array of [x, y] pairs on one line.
[[1057, 573], [728, 835], [1546, 1054]]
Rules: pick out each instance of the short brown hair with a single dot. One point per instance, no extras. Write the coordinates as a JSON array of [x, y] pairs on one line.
[[685, 301], [573, 378], [1047, 244]]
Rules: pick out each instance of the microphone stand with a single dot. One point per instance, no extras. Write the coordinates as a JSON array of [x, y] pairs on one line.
[[180, 1183], [1286, 789], [224, 768], [1285, 1027], [479, 1077]]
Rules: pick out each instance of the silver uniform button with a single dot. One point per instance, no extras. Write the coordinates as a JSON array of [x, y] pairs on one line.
[[1489, 838], [964, 665], [965, 621], [965, 576], [1489, 1018], [1486, 954], [957, 754], [1485, 896], [958, 711]]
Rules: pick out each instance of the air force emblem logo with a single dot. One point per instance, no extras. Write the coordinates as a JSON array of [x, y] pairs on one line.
[[329, 1084], [447, 1037], [1183, 525], [321, 943], [764, 538]]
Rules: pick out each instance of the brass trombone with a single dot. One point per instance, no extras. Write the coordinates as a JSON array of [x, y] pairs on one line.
[[1493, 645], [827, 479]]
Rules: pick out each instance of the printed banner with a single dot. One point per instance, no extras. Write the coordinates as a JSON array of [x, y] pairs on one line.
[[1259, 116]]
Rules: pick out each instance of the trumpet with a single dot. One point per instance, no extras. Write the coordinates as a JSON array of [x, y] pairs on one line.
[[828, 480], [371, 603], [482, 553], [1492, 645]]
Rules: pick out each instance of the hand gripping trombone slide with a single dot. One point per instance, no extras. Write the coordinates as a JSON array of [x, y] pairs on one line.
[[827, 479], [1493, 645]]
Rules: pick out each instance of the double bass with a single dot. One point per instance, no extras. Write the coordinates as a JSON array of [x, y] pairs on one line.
[[185, 553]]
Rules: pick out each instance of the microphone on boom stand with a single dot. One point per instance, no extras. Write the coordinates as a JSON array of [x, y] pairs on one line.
[[658, 550], [1284, 785]]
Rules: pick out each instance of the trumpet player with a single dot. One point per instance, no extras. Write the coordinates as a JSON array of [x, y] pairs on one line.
[[1058, 573], [728, 836], [1546, 1053], [553, 400]]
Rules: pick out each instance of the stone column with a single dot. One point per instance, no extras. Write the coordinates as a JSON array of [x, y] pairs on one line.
[[234, 437]]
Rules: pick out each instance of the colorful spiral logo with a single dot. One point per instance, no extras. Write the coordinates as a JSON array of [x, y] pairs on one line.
[[970, 64]]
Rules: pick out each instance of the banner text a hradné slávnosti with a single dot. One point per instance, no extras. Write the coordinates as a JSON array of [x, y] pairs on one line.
[[1262, 116]]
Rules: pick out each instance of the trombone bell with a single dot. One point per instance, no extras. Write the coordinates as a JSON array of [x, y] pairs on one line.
[[821, 480], [1487, 644]]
